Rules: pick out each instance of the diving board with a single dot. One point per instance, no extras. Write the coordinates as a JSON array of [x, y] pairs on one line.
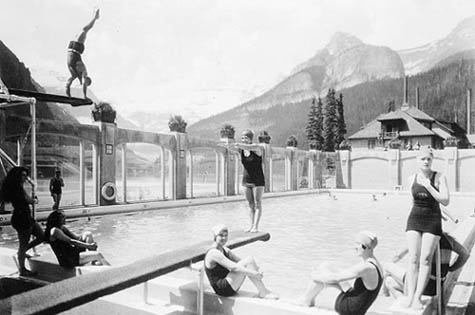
[[45, 97], [63, 295]]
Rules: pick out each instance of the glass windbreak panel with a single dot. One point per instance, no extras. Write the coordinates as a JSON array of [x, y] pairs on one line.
[[239, 188], [89, 156], [328, 169], [278, 174], [55, 153], [204, 173], [302, 175], [143, 172]]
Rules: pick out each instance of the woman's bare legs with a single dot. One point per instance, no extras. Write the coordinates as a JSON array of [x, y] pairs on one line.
[[236, 279], [414, 240], [252, 206], [92, 256], [315, 288], [87, 237], [258, 192], [428, 245]]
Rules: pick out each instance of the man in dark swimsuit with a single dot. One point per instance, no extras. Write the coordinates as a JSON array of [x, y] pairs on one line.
[[55, 188], [76, 66]]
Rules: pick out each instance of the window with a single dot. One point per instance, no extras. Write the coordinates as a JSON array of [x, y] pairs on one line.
[[371, 143]]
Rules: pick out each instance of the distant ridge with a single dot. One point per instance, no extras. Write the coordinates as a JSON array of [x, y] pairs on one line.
[[349, 65], [442, 95]]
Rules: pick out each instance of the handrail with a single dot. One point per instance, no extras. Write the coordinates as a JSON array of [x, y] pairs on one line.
[[63, 295], [438, 279]]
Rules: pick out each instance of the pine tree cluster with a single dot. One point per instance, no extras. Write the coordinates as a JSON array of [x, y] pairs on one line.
[[326, 126]]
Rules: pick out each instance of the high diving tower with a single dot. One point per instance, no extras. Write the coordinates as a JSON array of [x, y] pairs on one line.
[[10, 97]]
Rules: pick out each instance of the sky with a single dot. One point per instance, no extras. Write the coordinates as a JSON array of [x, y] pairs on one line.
[[197, 58]]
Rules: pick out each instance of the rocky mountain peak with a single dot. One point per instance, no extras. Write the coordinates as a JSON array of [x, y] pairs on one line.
[[341, 42], [466, 27]]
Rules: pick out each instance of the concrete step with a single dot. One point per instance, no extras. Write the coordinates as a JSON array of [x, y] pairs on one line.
[[184, 293], [126, 303]]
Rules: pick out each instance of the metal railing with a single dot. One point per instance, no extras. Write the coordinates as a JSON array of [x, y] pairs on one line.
[[389, 135]]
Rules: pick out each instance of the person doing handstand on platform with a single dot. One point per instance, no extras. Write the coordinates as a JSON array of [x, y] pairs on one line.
[[76, 66], [70, 249]]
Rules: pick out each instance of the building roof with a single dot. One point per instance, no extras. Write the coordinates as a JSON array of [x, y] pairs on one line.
[[415, 128], [471, 139], [371, 130], [401, 114], [418, 114]]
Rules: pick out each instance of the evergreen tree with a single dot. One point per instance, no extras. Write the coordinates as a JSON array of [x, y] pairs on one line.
[[329, 121], [391, 106], [340, 128], [319, 128], [311, 129]]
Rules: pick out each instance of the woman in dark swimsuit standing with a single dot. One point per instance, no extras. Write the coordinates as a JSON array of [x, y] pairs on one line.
[[424, 225], [22, 220], [226, 271], [252, 177], [327, 289]]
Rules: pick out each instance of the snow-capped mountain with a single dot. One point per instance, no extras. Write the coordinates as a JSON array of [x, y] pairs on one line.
[[423, 58]]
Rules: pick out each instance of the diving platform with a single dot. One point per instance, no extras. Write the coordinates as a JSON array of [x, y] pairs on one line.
[[45, 97]]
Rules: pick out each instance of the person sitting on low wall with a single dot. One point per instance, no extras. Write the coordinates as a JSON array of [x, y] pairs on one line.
[[71, 250], [327, 288], [226, 271]]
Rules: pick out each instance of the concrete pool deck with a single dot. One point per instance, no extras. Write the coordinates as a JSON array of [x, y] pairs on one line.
[[93, 210], [170, 303]]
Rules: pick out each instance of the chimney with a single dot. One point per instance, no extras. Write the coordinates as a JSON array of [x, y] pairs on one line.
[[469, 110], [417, 97], [405, 105]]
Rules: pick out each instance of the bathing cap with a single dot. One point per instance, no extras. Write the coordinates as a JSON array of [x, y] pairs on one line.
[[424, 151], [367, 238], [218, 228], [248, 133]]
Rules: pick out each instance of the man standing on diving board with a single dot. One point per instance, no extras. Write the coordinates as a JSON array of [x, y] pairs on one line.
[[75, 64]]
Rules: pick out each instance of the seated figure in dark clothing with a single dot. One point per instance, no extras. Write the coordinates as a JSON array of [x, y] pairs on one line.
[[226, 271], [330, 289], [70, 249]]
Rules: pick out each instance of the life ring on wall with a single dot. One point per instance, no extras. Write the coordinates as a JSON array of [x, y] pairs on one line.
[[109, 191]]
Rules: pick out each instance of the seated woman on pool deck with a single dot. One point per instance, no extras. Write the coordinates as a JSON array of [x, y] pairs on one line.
[[226, 271], [69, 248], [326, 289]]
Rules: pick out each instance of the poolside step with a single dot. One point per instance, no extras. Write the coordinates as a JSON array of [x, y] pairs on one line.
[[125, 303], [184, 293], [7, 261]]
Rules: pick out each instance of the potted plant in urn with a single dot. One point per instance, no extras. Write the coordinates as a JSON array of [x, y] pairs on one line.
[[103, 111], [292, 142], [176, 123], [227, 132], [264, 137]]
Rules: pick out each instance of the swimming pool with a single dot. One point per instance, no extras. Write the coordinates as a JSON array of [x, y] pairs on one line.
[[305, 230]]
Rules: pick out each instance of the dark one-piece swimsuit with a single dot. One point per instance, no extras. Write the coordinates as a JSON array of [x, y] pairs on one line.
[[425, 214], [75, 49], [358, 299], [217, 279], [252, 174]]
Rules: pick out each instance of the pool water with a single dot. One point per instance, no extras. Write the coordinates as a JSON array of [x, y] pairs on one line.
[[305, 230]]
